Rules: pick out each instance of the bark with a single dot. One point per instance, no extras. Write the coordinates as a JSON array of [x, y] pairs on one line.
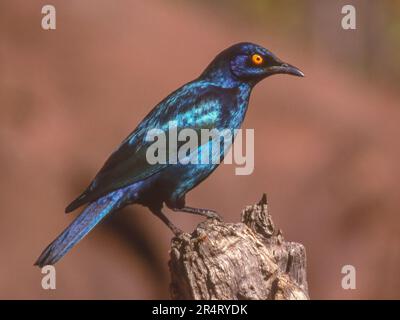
[[247, 260]]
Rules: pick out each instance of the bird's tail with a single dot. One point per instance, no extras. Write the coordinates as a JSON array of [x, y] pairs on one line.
[[80, 227]]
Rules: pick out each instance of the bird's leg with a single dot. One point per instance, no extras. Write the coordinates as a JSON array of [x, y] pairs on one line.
[[164, 219], [202, 212]]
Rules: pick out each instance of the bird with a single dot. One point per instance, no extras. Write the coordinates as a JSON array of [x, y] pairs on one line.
[[218, 98]]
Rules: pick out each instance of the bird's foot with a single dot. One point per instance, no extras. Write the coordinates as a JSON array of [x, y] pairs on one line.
[[210, 214], [177, 232]]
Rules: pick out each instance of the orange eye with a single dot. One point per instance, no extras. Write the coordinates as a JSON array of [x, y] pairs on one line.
[[257, 59]]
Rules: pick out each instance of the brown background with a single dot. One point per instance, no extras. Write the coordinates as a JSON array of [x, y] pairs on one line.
[[326, 150]]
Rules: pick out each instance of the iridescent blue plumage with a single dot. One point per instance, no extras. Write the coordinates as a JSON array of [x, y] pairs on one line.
[[218, 99]]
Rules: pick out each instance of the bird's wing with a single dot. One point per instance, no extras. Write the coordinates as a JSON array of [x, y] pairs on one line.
[[192, 106]]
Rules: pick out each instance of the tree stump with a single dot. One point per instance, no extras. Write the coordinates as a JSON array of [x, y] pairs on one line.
[[247, 260]]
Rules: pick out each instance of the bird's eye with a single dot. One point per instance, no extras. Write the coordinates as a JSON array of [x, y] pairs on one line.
[[257, 59]]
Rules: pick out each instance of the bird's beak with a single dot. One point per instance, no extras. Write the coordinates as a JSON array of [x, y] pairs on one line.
[[285, 68]]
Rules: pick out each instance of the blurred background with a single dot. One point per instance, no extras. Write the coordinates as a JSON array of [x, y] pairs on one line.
[[327, 151]]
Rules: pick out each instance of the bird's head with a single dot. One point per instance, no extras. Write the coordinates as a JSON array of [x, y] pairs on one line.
[[247, 62]]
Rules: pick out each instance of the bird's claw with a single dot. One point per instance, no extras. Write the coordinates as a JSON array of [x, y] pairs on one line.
[[214, 215], [177, 232]]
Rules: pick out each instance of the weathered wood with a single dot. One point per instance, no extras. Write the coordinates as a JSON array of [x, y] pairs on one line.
[[247, 260]]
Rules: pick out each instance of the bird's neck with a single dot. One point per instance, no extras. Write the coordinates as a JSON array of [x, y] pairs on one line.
[[238, 112], [221, 76]]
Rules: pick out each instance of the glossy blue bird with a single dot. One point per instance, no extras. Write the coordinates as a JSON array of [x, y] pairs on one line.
[[218, 98]]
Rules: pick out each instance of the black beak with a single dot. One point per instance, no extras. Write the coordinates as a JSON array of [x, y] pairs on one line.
[[285, 68]]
